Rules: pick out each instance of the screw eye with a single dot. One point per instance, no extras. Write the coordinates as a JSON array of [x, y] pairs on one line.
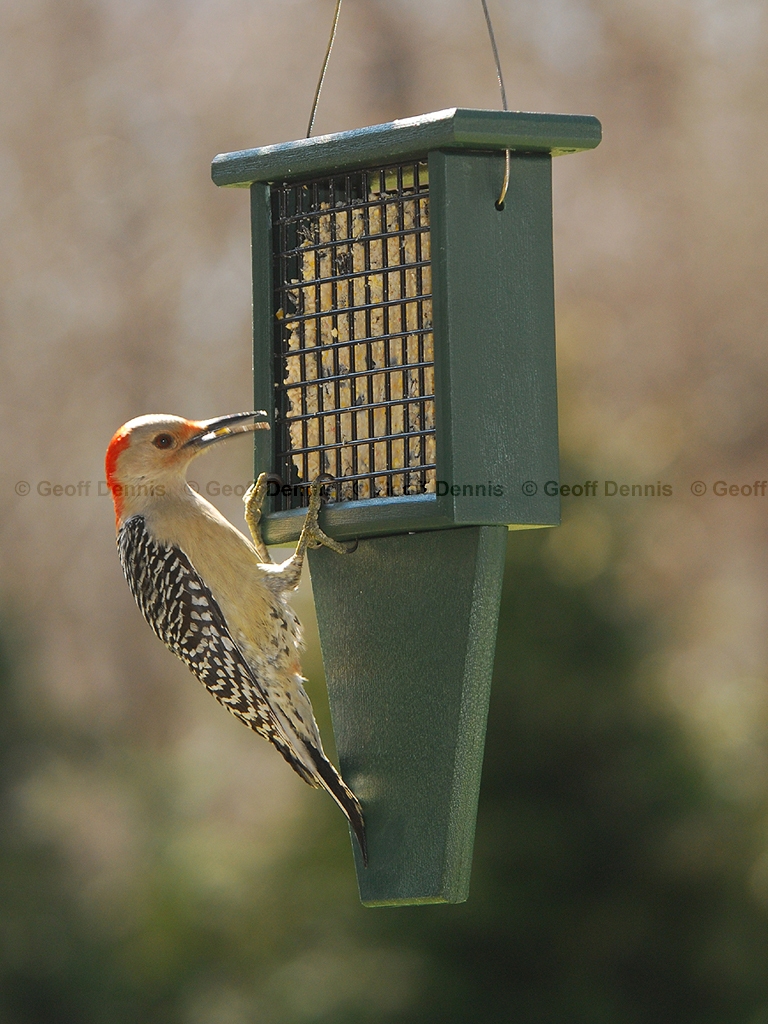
[[163, 441]]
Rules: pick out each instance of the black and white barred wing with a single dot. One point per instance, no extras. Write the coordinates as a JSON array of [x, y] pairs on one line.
[[184, 614]]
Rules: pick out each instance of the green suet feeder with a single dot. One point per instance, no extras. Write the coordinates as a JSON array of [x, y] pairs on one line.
[[404, 343]]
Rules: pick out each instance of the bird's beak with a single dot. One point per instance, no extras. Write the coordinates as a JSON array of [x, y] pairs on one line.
[[226, 426]]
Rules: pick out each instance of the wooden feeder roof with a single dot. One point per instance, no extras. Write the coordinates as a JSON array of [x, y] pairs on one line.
[[411, 137]]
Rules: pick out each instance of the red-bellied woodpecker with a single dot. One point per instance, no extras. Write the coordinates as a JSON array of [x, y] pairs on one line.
[[213, 597]]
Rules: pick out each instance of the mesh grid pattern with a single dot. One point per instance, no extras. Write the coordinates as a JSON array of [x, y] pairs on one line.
[[354, 345]]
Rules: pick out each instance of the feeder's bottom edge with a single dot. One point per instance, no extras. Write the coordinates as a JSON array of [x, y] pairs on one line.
[[416, 901]]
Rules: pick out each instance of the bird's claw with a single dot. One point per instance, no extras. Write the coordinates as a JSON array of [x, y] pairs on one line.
[[254, 503], [254, 498], [316, 536]]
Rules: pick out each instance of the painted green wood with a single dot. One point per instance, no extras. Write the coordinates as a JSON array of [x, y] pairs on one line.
[[494, 317], [407, 138], [263, 362], [373, 517], [351, 520], [495, 375], [408, 630]]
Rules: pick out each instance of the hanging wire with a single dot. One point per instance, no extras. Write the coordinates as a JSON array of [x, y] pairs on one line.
[[505, 185], [500, 77], [320, 81]]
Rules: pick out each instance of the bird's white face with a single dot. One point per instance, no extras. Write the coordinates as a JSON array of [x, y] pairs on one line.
[[148, 448], [149, 455], [150, 451]]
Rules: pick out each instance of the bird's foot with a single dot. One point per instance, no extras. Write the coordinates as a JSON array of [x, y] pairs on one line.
[[312, 533], [254, 502]]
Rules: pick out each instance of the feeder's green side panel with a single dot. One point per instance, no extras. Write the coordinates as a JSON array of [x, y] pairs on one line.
[[494, 314], [263, 319], [408, 629]]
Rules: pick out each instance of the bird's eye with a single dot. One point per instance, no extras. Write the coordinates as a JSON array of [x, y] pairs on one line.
[[163, 441]]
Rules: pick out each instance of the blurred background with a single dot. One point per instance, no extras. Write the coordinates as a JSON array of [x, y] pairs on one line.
[[160, 864]]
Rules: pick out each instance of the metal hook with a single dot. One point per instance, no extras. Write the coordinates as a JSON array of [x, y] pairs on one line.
[[505, 185]]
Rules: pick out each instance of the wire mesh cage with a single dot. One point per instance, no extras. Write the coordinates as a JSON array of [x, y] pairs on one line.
[[354, 345]]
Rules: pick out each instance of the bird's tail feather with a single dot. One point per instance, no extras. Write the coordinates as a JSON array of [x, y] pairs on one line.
[[344, 797]]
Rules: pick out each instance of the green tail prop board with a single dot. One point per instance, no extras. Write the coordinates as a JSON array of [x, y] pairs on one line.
[[408, 631]]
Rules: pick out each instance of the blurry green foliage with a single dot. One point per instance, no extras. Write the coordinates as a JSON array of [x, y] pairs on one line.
[[610, 883]]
